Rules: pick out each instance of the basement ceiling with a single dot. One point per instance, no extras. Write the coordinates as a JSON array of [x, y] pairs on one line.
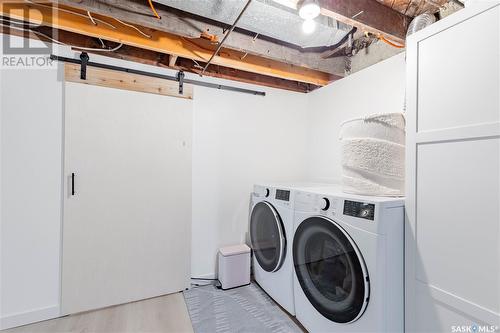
[[267, 48], [413, 8], [266, 18]]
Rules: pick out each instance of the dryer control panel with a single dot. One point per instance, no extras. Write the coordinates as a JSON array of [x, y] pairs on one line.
[[359, 209]]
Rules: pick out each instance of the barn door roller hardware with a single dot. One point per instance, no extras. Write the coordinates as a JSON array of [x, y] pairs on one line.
[[180, 78], [84, 62], [83, 69]]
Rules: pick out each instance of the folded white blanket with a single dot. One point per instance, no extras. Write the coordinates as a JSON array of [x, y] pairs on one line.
[[379, 157], [373, 154], [364, 186], [388, 126]]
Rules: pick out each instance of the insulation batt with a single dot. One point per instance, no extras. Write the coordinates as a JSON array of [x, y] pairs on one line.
[[373, 154]]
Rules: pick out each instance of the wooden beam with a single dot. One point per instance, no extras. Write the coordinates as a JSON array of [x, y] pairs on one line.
[[171, 60], [247, 77], [190, 26], [160, 42], [126, 81], [153, 58], [368, 15]]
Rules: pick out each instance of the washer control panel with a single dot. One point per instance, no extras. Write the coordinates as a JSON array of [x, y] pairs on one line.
[[359, 209], [282, 195]]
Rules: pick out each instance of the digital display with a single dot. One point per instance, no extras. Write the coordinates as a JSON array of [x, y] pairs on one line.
[[283, 195], [359, 209]]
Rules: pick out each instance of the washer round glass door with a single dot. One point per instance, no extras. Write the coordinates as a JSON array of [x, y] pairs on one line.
[[267, 236], [330, 270]]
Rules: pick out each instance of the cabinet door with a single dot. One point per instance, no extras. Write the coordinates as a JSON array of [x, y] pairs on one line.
[[457, 233], [458, 74], [127, 212], [453, 174]]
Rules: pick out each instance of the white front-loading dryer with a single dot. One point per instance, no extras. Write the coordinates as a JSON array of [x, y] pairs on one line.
[[348, 262], [271, 230]]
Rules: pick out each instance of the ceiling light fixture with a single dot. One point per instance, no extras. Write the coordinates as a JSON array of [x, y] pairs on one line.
[[308, 26], [309, 9]]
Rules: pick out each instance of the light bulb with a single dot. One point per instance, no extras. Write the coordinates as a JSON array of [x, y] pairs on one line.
[[308, 26], [309, 9]]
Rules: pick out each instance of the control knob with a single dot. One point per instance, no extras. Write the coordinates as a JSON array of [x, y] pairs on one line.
[[262, 192], [324, 203], [364, 213]]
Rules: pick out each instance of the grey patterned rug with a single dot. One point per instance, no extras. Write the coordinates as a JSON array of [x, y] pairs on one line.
[[245, 309]]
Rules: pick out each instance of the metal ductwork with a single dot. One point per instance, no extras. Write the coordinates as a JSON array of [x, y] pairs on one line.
[[420, 22], [266, 18]]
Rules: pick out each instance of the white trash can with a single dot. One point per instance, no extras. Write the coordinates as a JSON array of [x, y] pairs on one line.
[[234, 266]]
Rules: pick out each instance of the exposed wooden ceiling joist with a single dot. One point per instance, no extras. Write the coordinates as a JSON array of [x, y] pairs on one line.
[[413, 8], [367, 15], [186, 25], [153, 58], [161, 42]]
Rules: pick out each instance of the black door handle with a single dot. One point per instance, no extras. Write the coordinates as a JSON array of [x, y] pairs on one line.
[[73, 183]]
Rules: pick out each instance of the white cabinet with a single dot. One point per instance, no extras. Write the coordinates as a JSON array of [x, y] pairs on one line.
[[458, 74], [453, 173]]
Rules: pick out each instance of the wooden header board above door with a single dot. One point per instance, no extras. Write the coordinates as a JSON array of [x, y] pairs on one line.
[[127, 81]]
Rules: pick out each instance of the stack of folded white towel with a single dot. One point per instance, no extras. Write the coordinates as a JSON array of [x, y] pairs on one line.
[[373, 154]]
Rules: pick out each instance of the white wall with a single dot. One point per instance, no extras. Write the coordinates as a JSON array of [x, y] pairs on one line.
[[31, 120], [239, 140], [376, 89]]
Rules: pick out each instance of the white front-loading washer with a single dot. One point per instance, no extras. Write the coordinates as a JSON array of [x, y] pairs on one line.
[[348, 262], [271, 229]]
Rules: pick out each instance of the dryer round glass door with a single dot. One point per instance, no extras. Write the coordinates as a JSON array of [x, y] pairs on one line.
[[330, 270], [267, 236]]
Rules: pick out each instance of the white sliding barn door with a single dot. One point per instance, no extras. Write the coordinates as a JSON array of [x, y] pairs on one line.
[[126, 230]]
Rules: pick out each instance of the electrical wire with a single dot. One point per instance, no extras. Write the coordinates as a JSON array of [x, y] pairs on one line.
[[70, 12], [91, 18], [334, 48], [18, 22], [385, 40], [196, 285], [196, 64], [3, 23], [204, 282], [153, 9], [133, 27]]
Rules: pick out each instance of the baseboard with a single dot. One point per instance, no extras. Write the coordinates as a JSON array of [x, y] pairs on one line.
[[29, 317], [206, 276]]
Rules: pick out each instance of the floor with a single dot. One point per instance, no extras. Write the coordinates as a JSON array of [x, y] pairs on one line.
[[244, 309], [156, 315]]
